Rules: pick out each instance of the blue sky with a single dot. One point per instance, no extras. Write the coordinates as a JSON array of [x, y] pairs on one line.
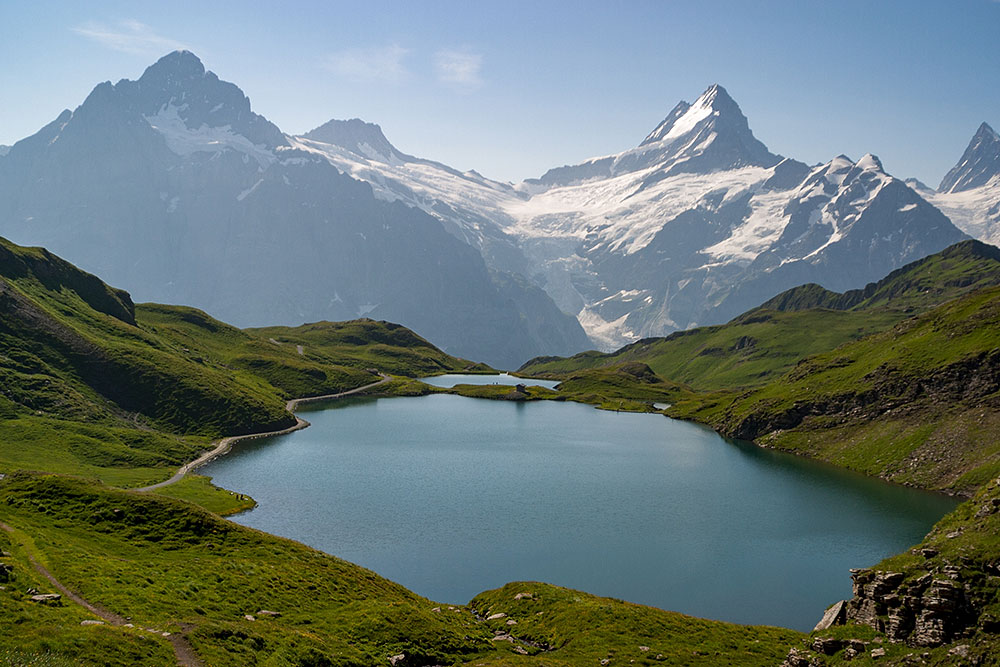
[[514, 88]]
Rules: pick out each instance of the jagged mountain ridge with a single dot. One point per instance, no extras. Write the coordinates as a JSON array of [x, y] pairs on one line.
[[978, 165], [969, 193], [697, 223], [710, 135], [172, 186], [694, 225], [661, 245]]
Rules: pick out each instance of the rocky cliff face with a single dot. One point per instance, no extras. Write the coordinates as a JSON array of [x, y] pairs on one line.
[[935, 604], [886, 389], [930, 610]]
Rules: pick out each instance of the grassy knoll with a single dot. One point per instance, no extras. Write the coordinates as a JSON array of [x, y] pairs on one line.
[[566, 627], [365, 343], [198, 489], [166, 563]]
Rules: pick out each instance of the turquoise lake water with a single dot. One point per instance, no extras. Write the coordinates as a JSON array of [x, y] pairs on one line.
[[451, 496]]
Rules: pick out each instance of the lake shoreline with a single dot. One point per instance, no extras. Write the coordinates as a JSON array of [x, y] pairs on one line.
[[525, 465]]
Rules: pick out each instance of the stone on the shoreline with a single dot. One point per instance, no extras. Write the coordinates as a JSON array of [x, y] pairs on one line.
[[91, 622], [496, 617], [396, 659], [835, 615]]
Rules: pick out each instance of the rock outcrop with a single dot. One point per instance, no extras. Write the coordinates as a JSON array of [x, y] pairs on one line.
[[929, 610]]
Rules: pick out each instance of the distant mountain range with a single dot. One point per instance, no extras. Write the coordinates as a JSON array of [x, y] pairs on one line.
[[172, 187], [695, 225]]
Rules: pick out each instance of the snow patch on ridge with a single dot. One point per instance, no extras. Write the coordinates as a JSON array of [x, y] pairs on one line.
[[606, 335], [183, 140], [761, 229], [618, 212], [975, 211]]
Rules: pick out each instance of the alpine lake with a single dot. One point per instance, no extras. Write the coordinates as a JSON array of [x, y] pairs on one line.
[[451, 496]]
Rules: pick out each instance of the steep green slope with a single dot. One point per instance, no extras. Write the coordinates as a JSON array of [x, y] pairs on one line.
[[919, 403], [765, 342], [71, 349], [954, 271], [91, 384]]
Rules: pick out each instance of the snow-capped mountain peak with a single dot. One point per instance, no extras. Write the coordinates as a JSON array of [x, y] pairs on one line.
[[685, 117], [174, 70], [870, 162], [708, 136], [979, 163], [970, 192], [177, 87], [364, 139]]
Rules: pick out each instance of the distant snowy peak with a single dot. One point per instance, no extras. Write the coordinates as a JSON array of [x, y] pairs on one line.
[[970, 193], [365, 140], [179, 80], [685, 117], [979, 163], [708, 136], [176, 104]]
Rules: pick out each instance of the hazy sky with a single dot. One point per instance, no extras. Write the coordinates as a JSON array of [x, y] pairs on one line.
[[514, 88]]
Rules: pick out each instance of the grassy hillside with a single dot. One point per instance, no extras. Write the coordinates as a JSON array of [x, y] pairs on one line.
[[92, 384], [918, 404], [365, 343], [74, 351]]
